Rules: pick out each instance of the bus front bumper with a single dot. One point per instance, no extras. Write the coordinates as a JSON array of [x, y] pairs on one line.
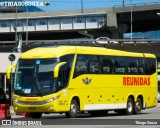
[[49, 107]]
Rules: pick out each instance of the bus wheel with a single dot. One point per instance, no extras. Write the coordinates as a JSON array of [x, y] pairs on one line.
[[74, 108], [36, 115], [129, 109], [138, 106]]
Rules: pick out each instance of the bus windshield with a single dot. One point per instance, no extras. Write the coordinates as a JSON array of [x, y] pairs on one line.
[[35, 77]]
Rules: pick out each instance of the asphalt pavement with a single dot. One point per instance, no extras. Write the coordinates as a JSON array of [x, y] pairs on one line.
[[112, 120]]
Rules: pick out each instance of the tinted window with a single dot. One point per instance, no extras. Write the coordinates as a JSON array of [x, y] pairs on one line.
[[141, 66], [107, 65], [150, 64], [64, 72], [119, 65], [68, 59], [94, 64], [132, 65], [81, 65]]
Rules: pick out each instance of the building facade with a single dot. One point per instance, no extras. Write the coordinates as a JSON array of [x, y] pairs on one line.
[[4, 56]]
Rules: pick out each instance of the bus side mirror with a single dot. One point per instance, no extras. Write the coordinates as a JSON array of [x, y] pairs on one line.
[[57, 67], [8, 72]]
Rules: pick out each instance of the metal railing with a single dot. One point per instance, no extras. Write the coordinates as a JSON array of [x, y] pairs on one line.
[[86, 41], [138, 4]]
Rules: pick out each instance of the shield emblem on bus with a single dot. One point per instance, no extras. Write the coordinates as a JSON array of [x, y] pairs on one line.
[[86, 81]]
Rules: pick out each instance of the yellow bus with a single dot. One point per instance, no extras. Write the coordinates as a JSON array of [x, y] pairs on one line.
[[75, 79]]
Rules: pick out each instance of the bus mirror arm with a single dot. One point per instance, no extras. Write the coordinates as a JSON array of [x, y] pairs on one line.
[[8, 71], [57, 67]]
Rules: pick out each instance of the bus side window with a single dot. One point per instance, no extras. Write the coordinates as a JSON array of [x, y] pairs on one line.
[[141, 66], [106, 69], [119, 68], [141, 69], [94, 67], [94, 64], [107, 66], [81, 66], [63, 76], [133, 68], [150, 65], [132, 65]]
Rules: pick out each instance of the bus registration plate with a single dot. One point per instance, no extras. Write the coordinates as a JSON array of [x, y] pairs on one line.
[[32, 108]]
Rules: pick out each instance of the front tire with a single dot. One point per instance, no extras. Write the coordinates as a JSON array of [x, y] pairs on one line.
[[74, 108]]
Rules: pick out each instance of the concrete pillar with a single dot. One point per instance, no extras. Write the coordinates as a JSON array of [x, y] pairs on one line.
[[111, 19], [113, 25]]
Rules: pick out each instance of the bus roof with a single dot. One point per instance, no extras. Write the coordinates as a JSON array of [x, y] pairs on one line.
[[48, 52], [56, 51]]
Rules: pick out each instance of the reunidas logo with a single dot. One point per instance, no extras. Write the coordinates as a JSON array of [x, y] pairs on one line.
[[23, 3]]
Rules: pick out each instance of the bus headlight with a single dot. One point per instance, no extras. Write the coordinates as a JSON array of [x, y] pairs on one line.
[[52, 99], [36, 102], [15, 100]]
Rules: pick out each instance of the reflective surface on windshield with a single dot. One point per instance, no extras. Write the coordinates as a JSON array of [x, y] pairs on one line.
[[35, 77]]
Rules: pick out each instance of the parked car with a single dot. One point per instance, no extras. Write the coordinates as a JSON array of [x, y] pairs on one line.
[[104, 40]]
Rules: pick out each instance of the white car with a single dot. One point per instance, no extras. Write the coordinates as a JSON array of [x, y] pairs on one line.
[[104, 40]]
